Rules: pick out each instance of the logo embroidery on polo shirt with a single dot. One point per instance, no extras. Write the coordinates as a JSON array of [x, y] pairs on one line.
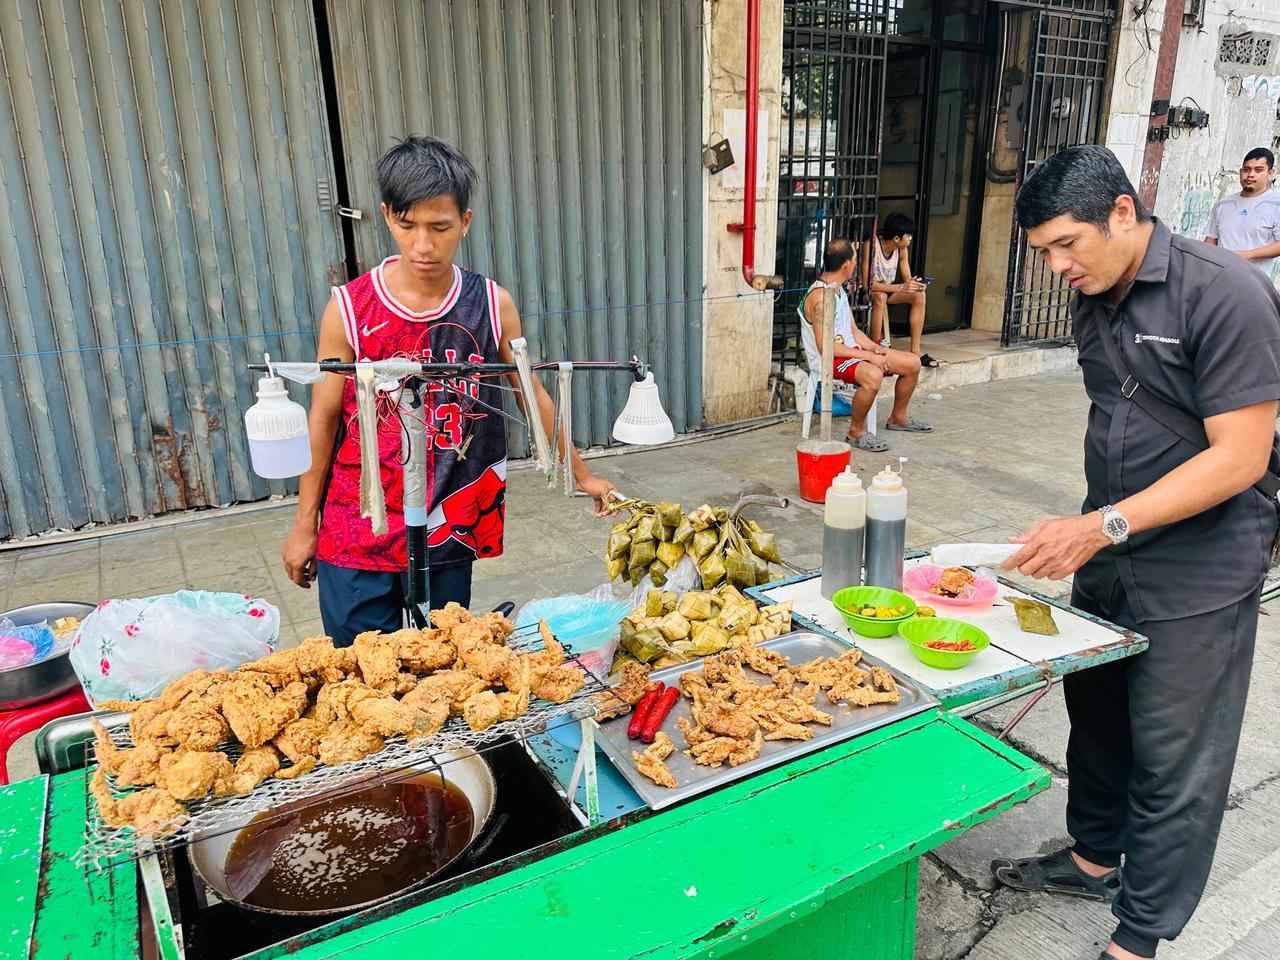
[[1144, 337]]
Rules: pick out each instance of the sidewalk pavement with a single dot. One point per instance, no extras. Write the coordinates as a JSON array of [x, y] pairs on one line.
[[1003, 455]]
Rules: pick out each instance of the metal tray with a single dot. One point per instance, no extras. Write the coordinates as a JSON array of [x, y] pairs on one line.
[[695, 779]]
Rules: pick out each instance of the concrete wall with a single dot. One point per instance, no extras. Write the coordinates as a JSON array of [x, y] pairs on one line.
[[739, 322], [1199, 167]]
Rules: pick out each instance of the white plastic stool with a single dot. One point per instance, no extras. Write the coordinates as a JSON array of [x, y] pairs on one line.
[[841, 390]]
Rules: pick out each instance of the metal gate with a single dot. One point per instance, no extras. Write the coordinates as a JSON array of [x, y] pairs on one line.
[[161, 166], [1066, 71], [584, 120], [833, 57]]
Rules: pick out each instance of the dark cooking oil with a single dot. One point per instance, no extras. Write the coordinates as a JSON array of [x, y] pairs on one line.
[[350, 849]]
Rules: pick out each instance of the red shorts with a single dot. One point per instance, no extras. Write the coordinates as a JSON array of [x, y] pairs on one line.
[[845, 369]]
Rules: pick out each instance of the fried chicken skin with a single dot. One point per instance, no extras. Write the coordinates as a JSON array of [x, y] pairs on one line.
[[482, 710], [652, 762], [318, 658], [300, 738], [152, 812], [450, 616], [378, 658], [346, 741], [421, 651], [252, 768]]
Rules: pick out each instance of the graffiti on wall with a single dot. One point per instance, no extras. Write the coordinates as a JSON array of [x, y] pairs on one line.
[[1260, 85]]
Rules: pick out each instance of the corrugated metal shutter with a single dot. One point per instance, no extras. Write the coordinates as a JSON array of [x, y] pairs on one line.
[[584, 118], [160, 165]]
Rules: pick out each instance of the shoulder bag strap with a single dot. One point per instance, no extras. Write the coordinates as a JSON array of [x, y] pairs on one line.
[[1174, 419]]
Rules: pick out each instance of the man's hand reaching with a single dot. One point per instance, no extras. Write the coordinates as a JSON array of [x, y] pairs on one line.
[[1055, 549], [599, 489]]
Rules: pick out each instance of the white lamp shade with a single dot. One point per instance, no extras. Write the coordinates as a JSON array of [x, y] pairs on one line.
[[643, 421]]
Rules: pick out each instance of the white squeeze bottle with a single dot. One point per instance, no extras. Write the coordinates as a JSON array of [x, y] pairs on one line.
[[886, 528], [842, 528]]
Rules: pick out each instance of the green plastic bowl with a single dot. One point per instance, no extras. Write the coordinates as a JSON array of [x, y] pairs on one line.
[[922, 630], [851, 599]]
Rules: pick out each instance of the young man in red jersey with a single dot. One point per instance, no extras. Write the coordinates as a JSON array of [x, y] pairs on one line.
[[423, 306]]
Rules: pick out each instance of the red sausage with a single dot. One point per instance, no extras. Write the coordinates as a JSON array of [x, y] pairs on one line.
[[642, 710], [659, 713]]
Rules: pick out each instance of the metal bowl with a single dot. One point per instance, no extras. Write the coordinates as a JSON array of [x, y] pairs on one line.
[[45, 679], [465, 769]]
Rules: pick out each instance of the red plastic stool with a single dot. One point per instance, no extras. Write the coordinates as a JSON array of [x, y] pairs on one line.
[[16, 723]]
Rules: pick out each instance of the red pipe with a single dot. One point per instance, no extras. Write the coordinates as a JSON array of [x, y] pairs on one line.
[[748, 225], [1166, 64]]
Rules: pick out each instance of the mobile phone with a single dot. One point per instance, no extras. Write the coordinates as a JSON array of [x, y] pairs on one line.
[[925, 280]]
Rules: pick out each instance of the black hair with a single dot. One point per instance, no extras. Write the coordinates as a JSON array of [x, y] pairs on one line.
[[1260, 153], [419, 168], [897, 225], [836, 254], [1083, 182]]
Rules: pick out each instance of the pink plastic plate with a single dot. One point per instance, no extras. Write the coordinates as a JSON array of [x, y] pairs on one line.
[[15, 652], [918, 580]]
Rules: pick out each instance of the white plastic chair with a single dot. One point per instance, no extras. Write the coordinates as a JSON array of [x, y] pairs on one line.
[[840, 390]]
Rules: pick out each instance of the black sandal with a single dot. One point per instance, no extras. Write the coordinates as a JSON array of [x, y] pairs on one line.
[[928, 361], [1056, 873]]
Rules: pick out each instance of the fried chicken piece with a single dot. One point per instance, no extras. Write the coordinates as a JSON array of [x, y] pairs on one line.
[[177, 690], [862, 696], [190, 774], [482, 710], [747, 750], [693, 733], [300, 738], [882, 679], [317, 657], [450, 616], [633, 682], [789, 731], [454, 686], [725, 667], [519, 680], [785, 680], [335, 700], [692, 683], [197, 723], [714, 752], [725, 721], [136, 766], [651, 763], [389, 717], [954, 580], [557, 684], [806, 694], [279, 669], [151, 812], [762, 660], [150, 722], [794, 710], [421, 651], [346, 740], [552, 652], [378, 658], [480, 654], [820, 672], [303, 766], [252, 768], [256, 713]]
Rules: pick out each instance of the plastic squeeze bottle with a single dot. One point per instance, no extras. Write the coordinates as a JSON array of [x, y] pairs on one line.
[[886, 527], [843, 524]]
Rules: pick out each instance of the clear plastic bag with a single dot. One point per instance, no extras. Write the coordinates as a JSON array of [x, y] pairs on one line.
[[129, 649], [588, 623]]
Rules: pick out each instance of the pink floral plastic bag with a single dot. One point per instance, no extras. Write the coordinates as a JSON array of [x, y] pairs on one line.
[[129, 649]]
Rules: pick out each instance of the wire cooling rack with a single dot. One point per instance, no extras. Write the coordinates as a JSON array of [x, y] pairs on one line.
[[106, 846]]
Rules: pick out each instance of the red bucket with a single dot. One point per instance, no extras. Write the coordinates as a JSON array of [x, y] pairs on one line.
[[819, 462]]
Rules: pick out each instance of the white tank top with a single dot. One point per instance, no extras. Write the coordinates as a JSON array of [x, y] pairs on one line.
[[883, 269]]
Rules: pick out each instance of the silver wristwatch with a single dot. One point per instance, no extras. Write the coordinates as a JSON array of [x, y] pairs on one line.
[[1114, 525]]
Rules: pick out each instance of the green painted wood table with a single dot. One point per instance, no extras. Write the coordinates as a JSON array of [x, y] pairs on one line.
[[816, 858]]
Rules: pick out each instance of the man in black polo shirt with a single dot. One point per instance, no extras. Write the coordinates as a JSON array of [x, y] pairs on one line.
[[1174, 540]]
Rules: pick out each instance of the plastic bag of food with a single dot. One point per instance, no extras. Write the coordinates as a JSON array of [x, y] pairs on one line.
[[130, 649], [587, 623]]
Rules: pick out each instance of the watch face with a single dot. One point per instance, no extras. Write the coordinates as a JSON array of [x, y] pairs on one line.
[[1116, 527]]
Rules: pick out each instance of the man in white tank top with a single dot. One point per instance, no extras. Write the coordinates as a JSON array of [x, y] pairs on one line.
[[890, 281], [858, 359]]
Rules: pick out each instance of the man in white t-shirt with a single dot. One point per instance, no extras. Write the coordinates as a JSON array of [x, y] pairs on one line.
[[1248, 223]]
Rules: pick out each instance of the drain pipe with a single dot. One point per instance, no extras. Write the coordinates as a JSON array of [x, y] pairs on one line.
[[748, 225]]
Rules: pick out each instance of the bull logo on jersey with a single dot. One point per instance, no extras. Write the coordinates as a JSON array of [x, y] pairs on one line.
[[472, 515]]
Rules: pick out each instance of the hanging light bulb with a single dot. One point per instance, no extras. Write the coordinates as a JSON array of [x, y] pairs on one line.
[[279, 444], [643, 421]]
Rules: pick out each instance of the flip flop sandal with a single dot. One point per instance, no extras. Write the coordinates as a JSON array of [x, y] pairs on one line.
[[911, 426], [928, 361], [868, 442], [1056, 873]]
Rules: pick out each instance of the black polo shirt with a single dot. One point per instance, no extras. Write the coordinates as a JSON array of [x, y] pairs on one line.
[[1200, 329]]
